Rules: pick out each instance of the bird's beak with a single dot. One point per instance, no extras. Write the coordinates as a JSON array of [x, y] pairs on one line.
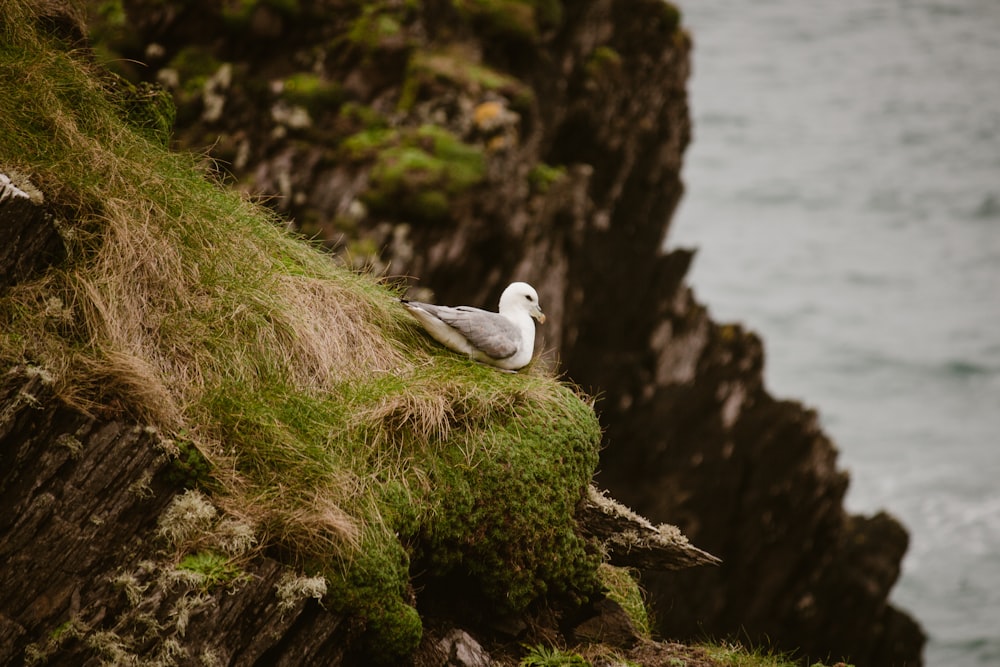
[[537, 313]]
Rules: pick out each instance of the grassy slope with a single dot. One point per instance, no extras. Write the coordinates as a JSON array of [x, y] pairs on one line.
[[325, 417]]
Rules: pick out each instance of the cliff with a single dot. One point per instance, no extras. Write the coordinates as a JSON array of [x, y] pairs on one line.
[[469, 143], [219, 447]]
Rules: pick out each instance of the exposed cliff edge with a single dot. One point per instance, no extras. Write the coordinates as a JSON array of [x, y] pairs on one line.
[[468, 143]]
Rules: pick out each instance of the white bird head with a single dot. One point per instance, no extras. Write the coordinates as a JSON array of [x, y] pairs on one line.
[[520, 297]]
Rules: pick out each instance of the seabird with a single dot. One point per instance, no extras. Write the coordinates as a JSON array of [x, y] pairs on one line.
[[505, 339]]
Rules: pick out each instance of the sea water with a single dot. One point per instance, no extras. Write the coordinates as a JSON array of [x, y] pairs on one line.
[[843, 191]]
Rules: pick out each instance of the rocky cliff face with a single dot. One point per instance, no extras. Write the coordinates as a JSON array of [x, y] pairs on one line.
[[86, 493], [110, 561], [467, 144]]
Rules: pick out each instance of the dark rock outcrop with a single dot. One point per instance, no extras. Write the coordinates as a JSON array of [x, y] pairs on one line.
[[630, 540], [560, 166], [29, 240], [86, 493]]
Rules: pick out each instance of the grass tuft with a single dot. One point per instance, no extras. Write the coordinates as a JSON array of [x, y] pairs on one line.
[[731, 654], [546, 656], [623, 588], [213, 568]]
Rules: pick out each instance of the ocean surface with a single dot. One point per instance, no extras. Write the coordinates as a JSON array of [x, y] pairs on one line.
[[843, 191]]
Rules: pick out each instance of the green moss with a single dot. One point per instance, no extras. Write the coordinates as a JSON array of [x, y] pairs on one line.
[[64, 628], [361, 115], [374, 27], [393, 634], [542, 176], [416, 171], [603, 63], [463, 164], [194, 65], [189, 468], [504, 506], [429, 71], [213, 568], [380, 25], [374, 588], [519, 20], [312, 92], [367, 143], [669, 18]]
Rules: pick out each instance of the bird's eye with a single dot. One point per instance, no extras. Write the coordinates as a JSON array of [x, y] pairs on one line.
[[528, 297]]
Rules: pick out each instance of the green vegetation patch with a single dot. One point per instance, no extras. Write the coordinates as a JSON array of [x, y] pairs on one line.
[[544, 656], [188, 467], [416, 171], [543, 176], [509, 477], [429, 73], [669, 18], [212, 568], [604, 64], [194, 65], [519, 20], [312, 92], [147, 107], [381, 25], [736, 655], [322, 416], [623, 588]]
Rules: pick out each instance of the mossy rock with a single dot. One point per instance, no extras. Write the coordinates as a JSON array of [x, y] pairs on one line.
[[312, 92], [238, 14], [189, 468], [194, 65], [670, 18], [431, 72], [516, 20], [543, 176], [416, 172], [381, 26], [603, 64], [212, 568], [504, 513]]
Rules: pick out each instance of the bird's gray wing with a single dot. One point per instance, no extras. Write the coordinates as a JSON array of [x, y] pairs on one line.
[[491, 333]]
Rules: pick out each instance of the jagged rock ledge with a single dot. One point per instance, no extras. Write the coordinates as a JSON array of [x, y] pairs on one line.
[[29, 240], [84, 574], [631, 540]]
